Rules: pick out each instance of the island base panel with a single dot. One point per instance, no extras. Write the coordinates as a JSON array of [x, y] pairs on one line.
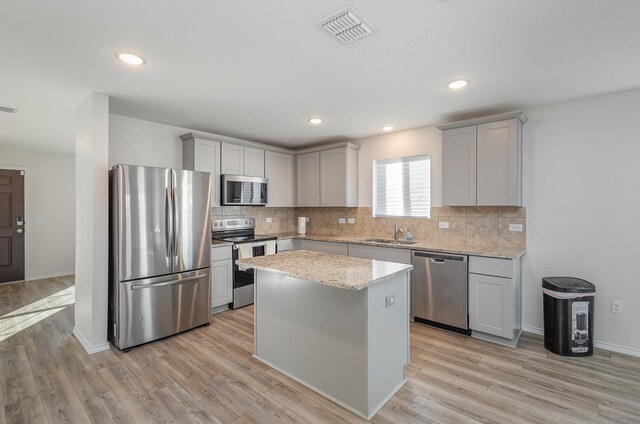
[[347, 345]]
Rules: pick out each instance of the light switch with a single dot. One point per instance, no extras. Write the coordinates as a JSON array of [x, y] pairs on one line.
[[269, 220], [351, 221], [443, 224], [515, 227], [389, 301], [341, 221]]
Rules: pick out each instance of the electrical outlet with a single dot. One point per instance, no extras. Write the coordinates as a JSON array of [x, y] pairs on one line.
[[515, 227], [389, 301], [617, 306], [39, 221], [443, 224], [269, 220], [341, 221], [351, 221]]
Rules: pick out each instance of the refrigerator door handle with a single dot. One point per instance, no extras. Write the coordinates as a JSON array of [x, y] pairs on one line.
[[176, 228], [169, 222], [166, 283]]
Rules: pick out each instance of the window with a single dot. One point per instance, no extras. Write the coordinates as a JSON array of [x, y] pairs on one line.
[[401, 187]]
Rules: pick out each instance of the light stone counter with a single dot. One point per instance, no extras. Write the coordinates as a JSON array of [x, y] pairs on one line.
[[343, 272], [460, 249], [219, 243]]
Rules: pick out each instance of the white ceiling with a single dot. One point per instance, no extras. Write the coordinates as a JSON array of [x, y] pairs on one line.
[[257, 69]]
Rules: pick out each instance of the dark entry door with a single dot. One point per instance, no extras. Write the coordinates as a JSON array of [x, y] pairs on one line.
[[11, 225]]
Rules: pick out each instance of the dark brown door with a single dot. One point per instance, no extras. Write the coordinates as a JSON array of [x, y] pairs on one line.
[[11, 225]]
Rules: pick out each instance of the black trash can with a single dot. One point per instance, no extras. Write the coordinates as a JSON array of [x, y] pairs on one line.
[[568, 315]]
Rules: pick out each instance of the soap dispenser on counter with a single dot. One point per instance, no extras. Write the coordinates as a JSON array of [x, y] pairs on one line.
[[408, 236]]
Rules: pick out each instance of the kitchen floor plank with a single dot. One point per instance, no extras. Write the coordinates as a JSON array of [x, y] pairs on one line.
[[26, 411], [307, 409], [139, 403], [106, 409], [16, 376], [192, 405], [61, 403]]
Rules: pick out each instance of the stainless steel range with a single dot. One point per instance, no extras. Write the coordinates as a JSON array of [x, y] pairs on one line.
[[246, 244]]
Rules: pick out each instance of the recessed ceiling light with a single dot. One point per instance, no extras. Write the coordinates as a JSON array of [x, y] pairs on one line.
[[315, 121], [130, 58], [387, 128], [457, 84]]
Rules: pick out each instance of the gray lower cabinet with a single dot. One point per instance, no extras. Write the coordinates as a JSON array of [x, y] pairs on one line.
[[284, 245], [495, 297], [333, 248], [221, 278], [389, 254]]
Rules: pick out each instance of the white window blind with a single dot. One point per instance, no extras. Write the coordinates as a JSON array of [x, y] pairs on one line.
[[402, 186]]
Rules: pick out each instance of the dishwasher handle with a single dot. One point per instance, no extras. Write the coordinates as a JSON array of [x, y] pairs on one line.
[[438, 258]]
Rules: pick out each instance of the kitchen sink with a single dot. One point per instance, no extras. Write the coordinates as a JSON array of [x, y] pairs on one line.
[[388, 241]]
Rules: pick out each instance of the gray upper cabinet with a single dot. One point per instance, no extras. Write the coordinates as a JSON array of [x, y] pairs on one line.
[[203, 155], [328, 177], [339, 177], [499, 163], [253, 162], [482, 161], [459, 166], [279, 170], [232, 159], [308, 179]]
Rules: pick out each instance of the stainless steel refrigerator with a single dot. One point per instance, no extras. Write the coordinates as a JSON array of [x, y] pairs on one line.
[[159, 253]]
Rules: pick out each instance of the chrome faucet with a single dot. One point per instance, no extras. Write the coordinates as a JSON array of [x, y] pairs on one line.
[[396, 230]]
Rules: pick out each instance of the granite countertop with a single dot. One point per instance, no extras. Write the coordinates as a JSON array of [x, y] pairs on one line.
[[339, 271], [219, 243], [487, 251]]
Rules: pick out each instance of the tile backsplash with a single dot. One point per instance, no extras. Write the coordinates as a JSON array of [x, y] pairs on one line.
[[478, 226], [283, 220]]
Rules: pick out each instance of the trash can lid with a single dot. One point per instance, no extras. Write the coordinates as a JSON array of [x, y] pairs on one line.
[[568, 285]]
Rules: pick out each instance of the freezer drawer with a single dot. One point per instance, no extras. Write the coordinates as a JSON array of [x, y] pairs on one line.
[[439, 289], [154, 308]]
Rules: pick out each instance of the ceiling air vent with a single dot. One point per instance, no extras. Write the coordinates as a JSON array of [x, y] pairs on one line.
[[347, 25]]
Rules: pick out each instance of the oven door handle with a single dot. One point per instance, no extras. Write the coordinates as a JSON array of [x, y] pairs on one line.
[[235, 246]]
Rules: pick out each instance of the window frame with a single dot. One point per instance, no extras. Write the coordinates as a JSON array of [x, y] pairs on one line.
[[402, 160]]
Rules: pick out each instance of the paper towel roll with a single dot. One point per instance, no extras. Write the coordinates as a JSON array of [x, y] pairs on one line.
[[302, 225]]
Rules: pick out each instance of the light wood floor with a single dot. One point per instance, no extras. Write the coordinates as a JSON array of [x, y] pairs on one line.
[[208, 375]]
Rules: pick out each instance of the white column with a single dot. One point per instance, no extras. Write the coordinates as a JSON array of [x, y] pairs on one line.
[[92, 222]]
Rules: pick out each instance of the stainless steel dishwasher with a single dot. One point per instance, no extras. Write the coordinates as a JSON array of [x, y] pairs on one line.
[[439, 290]]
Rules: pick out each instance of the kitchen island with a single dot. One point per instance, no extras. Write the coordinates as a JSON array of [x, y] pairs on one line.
[[339, 325]]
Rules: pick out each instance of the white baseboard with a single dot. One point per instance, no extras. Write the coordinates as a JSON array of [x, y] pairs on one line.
[[52, 275], [87, 346], [601, 345], [617, 348], [534, 330]]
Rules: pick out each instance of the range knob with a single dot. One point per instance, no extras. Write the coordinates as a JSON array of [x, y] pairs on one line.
[[215, 224], [246, 222]]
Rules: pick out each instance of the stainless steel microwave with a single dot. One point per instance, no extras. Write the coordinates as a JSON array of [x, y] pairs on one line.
[[238, 190]]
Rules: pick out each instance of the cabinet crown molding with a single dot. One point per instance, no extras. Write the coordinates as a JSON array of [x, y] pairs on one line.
[[328, 147], [519, 114], [237, 141]]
